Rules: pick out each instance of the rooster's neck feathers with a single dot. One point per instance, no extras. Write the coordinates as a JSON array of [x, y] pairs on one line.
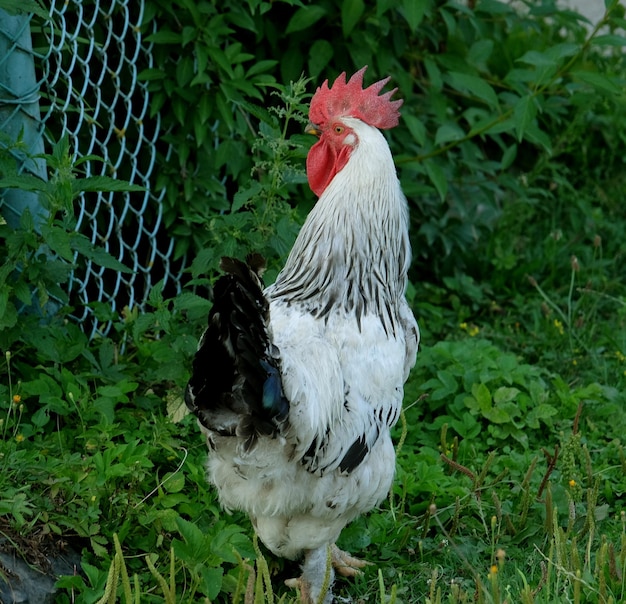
[[353, 252]]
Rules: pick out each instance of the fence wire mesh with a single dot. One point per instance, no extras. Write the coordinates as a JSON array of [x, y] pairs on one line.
[[85, 62]]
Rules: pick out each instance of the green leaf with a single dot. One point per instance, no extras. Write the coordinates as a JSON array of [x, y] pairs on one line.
[[494, 7], [597, 80], [609, 40], [505, 394], [416, 128], [351, 12], [15, 7], [305, 17], [483, 397], [474, 86], [497, 415], [538, 137], [58, 241], [523, 114], [211, 581], [243, 196], [479, 52], [23, 293], [148, 75], [447, 133], [261, 67], [103, 184], [434, 74], [448, 380], [320, 54], [24, 182], [98, 255], [508, 157], [437, 177], [413, 11], [165, 37]]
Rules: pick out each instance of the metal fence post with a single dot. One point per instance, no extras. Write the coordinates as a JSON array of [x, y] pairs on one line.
[[19, 113]]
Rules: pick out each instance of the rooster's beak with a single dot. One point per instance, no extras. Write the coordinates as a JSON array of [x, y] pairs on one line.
[[313, 129]]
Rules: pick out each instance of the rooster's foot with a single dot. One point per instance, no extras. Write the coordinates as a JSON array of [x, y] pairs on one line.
[[303, 587], [346, 564]]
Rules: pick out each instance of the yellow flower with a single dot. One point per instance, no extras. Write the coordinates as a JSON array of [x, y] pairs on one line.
[[472, 330], [494, 569], [16, 399], [572, 483], [19, 438], [559, 326]]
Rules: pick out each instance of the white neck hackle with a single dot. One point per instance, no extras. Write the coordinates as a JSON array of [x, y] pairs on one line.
[[353, 250]]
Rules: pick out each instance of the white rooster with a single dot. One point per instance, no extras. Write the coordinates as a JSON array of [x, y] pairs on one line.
[[297, 387]]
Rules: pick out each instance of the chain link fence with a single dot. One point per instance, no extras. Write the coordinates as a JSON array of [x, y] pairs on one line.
[[76, 74]]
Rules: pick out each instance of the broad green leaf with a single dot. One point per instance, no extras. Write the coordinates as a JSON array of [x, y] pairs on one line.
[[243, 196], [305, 17], [351, 12], [494, 7], [474, 86], [483, 397], [537, 58], [4, 299], [261, 67], [416, 128], [523, 114], [165, 37], [152, 74], [538, 137], [15, 7], [98, 255], [382, 6], [609, 40], [448, 380], [599, 81], [508, 157], [25, 182], [434, 74], [211, 581], [505, 394], [413, 11], [447, 133], [23, 293], [437, 177], [497, 415], [58, 240], [103, 183], [320, 53], [479, 52]]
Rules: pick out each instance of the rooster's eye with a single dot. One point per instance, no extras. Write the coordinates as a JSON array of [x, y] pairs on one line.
[[339, 129]]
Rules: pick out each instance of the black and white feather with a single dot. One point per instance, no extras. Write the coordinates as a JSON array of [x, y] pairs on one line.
[[297, 386]]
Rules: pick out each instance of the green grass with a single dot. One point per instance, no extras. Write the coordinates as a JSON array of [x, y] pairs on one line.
[[511, 476], [510, 482]]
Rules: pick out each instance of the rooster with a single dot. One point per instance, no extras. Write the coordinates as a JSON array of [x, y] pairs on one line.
[[297, 386]]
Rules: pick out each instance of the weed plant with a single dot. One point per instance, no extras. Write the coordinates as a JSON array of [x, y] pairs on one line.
[[511, 464]]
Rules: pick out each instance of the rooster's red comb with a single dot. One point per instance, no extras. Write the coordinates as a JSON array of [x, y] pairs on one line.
[[351, 99]]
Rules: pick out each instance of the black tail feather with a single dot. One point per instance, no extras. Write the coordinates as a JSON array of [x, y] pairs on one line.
[[235, 384]]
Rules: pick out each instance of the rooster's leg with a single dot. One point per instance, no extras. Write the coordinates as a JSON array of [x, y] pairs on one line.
[[317, 577], [346, 564]]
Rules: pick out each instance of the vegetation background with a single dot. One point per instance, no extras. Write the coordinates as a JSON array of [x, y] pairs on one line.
[[512, 471]]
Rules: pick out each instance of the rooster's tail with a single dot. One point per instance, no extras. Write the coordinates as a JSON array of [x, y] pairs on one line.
[[235, 387]]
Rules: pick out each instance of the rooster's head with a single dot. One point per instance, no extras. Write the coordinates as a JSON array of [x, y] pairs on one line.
[[329, 107]]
